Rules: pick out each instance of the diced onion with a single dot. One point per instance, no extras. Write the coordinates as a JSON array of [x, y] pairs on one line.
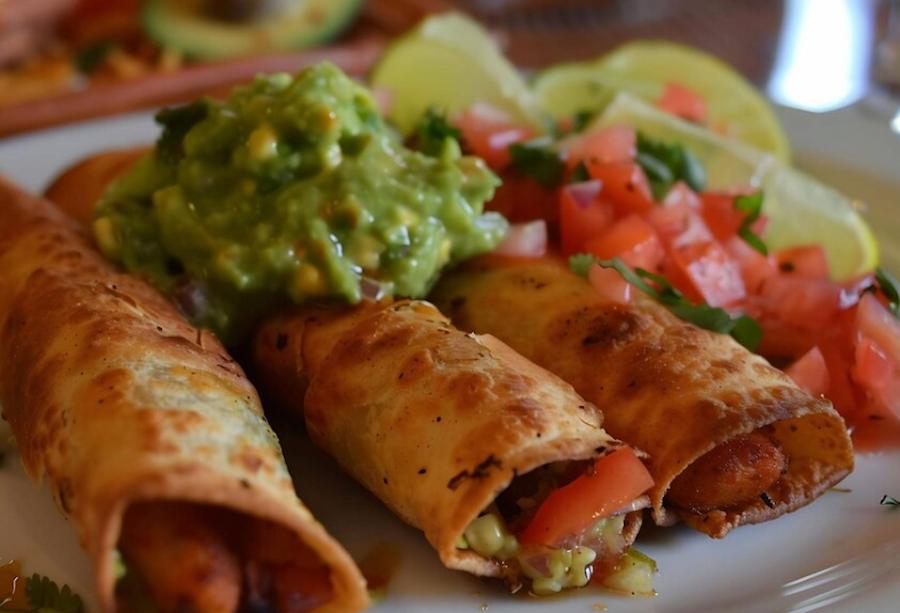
[[528, 240], [583, 193]]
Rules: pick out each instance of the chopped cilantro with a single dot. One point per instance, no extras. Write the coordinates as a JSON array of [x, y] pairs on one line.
[[742, 328], [890, 288], [46, 597], [579, 174], [582, 119], [890, 501], [752, 206], [176, 122], [433, 130], [88, 59], [664, 164], [538, 159]]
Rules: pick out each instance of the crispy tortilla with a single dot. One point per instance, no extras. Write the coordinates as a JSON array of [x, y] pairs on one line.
[[665, 386], [434, 422], [115, 399]]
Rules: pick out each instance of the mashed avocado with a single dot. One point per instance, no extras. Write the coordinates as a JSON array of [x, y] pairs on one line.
[[290, 190]]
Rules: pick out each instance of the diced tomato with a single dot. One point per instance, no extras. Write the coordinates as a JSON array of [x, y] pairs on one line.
[[612, 144], [720, 215], [610, 284], [806, 303], [624, 185], [616, 480], [755, 267], [875, 322], [520, 199], [680, 194], [838, 354], [582, 215], [806, 261], [630, 238], [488, 132], [669, 221], [810, 372], [683, 102], [711, 274]]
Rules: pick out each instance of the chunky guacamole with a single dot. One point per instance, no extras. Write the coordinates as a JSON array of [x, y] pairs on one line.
[[290, 190]]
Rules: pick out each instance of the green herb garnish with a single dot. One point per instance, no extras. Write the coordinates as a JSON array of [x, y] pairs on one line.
[[742, 328], [88, 59], [752, 206], [890, 501], [538, 159], [890, 288], [582, 119], [433, 130], [665, 164], [46, 597], [579, 174], [176, 123]]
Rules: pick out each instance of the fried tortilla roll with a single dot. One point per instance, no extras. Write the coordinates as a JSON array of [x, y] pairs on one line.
[[731, 439], [506, 470], [151, 438]]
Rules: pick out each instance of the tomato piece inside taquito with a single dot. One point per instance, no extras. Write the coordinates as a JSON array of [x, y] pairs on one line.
[[150, 436], [731, 439], [506, 470]]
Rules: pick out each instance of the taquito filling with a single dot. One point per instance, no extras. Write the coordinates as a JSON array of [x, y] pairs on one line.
[[180, 556], [539, 527], [734, 474]]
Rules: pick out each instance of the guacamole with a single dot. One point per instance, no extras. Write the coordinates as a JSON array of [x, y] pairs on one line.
[[293, 189]]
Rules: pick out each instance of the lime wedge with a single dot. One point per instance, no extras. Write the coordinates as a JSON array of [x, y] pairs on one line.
[[801, 209], [451, 62], [644, 67]]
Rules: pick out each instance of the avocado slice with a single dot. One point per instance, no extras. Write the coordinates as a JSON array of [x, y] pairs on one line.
[[298, 24]]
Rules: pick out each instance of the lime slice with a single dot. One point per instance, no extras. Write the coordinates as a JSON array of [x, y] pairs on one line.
[[567, 89], [643, 68], [801, 209], [451, 62]]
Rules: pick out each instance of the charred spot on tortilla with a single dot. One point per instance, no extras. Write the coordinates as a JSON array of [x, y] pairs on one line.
[[281, 341], [479, 472]]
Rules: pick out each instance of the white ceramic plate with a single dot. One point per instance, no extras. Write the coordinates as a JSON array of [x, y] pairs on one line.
[[840, 553]]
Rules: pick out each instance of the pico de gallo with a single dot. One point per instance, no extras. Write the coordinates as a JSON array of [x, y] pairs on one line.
[[634, 214], [563, 526]]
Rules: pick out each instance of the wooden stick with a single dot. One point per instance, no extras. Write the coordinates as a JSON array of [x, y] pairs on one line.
[[178, 86]]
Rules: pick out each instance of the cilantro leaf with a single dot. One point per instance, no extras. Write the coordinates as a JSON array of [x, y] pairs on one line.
[[752, 206], [88, 59], [581, 263], [582, 119], [579, 174], [664, 164], [176, 123], [890, 288], [742, 328], [46, 597], [433, 129], [538, 159], [890, 501]]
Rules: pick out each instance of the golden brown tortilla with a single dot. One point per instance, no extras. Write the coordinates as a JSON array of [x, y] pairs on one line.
[[434, 422], [665, 386], [115, 400]]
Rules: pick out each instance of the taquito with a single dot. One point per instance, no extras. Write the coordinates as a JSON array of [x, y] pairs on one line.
[[731, 439], [441, 426], [151, 438]]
